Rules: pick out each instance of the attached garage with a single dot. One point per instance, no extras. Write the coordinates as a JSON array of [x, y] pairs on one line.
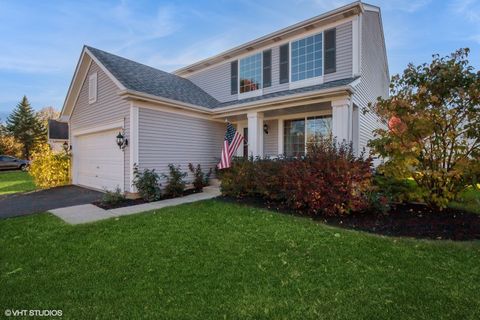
[[97, 161]]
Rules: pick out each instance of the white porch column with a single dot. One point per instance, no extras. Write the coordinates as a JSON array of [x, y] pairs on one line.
[[255, 134], [341, 120]]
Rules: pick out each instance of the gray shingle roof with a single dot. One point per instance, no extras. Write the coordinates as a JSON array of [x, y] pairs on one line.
[[142, 78], [326, 85]]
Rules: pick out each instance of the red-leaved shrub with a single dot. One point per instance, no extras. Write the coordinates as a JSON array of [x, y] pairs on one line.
[[328, 180]]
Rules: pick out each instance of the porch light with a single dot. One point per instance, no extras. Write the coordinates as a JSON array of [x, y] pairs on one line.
[[265, 128], [122, 142], [65, 146]]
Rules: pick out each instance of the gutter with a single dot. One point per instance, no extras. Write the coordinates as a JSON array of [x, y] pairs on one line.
[[132, 94]]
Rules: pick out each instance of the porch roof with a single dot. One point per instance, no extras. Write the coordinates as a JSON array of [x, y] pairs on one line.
[[326, 85]]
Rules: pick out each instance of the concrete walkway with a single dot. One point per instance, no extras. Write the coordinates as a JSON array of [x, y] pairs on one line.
[[90, 213]]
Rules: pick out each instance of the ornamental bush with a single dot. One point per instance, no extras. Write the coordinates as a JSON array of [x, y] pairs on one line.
[[328, 180], [433, 132], [49, 168], [175, 183], [147, 184], [200, 178]]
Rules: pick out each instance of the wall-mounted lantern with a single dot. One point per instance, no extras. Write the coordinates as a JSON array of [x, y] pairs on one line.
[[122, 142], [265, 128]]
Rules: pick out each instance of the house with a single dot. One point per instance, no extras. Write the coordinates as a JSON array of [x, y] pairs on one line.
[[57, 134], [280, 90]]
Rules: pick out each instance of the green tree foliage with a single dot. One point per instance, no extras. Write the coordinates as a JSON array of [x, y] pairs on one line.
[[433, 133], [26, 127]]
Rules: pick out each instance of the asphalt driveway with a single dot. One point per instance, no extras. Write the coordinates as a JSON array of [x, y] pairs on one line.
[[44, 200]]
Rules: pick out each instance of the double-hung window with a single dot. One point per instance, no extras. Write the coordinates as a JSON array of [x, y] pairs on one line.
[[250, 74], [307, 58]]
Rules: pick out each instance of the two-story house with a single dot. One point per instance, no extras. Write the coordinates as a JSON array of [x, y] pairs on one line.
[[281, 91]]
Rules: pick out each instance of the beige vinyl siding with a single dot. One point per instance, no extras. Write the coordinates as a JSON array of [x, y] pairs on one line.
[[344, 45], [166, 137], [215, 80], [374, 81], [108, 108], [270, 140]]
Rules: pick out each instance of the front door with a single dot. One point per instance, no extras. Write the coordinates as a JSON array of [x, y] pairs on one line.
[[245, 142]]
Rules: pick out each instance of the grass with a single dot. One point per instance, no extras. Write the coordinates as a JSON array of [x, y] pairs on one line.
[[15, 181], [211, 260], [469, 200]]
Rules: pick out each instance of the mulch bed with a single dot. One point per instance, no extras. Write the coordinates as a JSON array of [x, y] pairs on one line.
[[404, 220], [133, 202]]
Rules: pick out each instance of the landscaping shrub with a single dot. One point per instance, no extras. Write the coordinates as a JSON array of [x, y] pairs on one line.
[[147, 184], [238, 180], [433, 133], [49, 168], [113, 197], [200, 178], [175, 183], [328, 180]]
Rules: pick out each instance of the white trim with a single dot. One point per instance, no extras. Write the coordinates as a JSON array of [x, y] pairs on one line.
[[254, 93], [356, 46], [115, 80], [75, 73], [306, 82], [250, 94], [106, 127], [280, 136], [266, 40], [92, 88], [164, 108], [259, 103], [133, 144], [170, 102], [240, 126]]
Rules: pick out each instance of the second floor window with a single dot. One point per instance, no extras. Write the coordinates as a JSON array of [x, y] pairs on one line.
[[307, 56], [251, 73]]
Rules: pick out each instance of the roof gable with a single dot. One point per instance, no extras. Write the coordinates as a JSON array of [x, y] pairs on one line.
[[141, 78]]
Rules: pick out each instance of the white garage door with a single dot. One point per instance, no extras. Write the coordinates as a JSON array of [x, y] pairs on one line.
[[98, 161]]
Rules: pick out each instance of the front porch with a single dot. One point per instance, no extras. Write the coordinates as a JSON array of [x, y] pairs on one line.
[[286, 130]]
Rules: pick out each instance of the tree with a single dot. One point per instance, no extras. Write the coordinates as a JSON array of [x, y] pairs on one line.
[[46, 114], [10, 146], [25, 126], [433, 132]]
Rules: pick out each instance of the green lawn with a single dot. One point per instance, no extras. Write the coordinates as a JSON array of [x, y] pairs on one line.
[[211, 260], [15, 181], [469, 200]]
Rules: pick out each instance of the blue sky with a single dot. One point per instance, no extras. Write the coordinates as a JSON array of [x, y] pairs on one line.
[[41, 40]]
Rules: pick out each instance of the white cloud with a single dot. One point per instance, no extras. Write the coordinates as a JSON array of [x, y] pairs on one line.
[[468, 8]]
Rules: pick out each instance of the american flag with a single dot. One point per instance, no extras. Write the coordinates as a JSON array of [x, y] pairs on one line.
[[232, 141]]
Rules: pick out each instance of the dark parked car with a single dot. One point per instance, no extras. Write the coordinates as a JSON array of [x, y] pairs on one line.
[[12, 163]]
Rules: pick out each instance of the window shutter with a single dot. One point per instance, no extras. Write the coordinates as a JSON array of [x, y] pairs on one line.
[[284, 63], [234, 77], [92, 88], [267, 68], [330, 51]]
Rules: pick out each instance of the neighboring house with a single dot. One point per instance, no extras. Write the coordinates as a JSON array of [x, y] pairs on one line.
[[280, 90], [57, 134]]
